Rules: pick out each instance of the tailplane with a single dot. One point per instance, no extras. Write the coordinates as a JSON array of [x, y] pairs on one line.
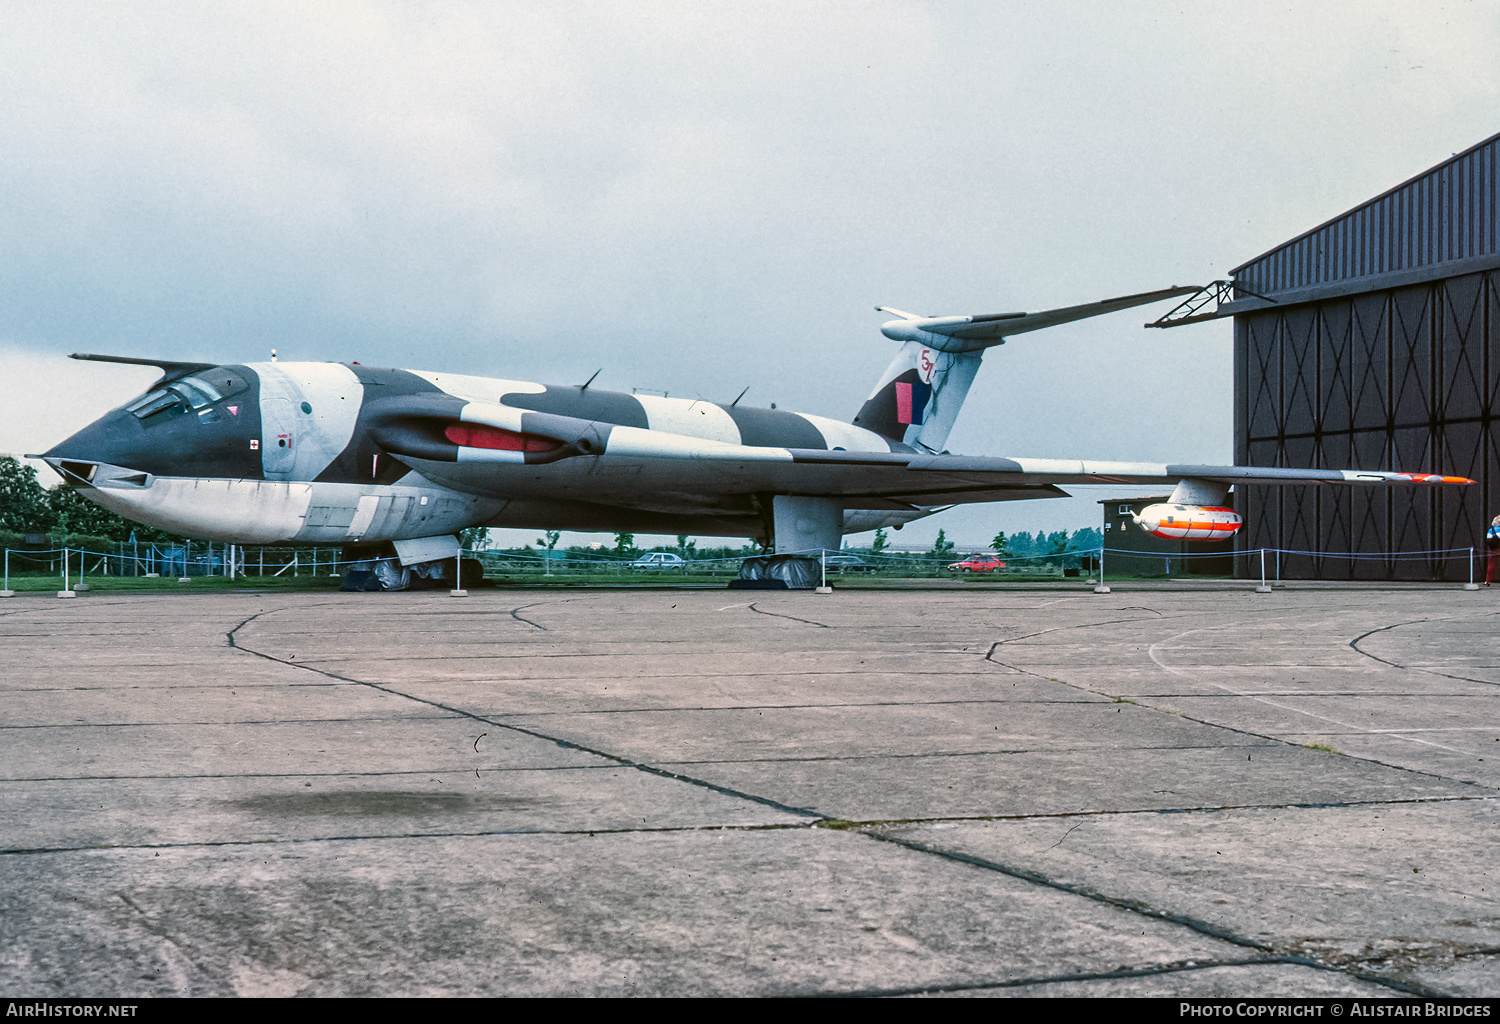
[[920, 393]]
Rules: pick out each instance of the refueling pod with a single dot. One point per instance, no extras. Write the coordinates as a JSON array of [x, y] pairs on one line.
[[1189, 522]]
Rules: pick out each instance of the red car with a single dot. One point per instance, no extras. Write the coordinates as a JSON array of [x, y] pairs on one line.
[[979, 563]]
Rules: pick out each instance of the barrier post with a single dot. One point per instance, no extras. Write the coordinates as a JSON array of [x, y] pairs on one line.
[[823, 569], [1471, 585], [6, 591], [81, 585], [66, 591], [458, 576], [1263, 588], [1101, 588]]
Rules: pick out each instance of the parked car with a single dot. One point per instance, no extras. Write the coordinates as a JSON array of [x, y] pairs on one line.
[[847, 564], [982, 562], [657, 560]]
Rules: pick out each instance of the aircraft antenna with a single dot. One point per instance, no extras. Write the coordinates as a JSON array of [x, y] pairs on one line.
[[739, 396], [591, 379]]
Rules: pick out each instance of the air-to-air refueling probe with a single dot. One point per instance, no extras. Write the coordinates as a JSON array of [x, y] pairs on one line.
[[393, 463]]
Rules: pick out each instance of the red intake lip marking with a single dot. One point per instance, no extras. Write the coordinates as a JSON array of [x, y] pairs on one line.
[[475, 435]]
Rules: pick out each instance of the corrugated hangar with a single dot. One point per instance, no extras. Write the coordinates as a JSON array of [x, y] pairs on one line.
[[1373, 341]]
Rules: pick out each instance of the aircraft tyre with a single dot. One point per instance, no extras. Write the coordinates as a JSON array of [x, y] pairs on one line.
[[470, 573]]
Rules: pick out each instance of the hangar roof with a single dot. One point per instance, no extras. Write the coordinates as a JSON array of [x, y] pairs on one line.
[[1444, 221]]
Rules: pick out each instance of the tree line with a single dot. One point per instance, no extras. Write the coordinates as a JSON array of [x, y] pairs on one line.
[[28, 507]]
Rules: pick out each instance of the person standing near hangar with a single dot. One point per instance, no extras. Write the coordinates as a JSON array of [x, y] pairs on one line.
[[1492, 545]]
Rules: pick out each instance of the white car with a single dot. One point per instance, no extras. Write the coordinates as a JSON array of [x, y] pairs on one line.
[[659, 560]]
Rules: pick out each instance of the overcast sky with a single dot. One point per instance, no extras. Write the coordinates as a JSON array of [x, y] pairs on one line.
[[698, 197]]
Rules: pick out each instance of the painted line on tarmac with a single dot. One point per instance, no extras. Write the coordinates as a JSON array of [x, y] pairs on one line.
[[1204, 721], [1412, 668], [1287, 707], [1055, 629]]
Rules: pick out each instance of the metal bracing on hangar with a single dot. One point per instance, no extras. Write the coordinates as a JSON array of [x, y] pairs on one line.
[[1373, 340]]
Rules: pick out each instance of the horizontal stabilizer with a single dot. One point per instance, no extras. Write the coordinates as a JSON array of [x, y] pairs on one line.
[[986, 329]]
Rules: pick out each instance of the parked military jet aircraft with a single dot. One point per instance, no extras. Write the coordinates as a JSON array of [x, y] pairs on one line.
[[347, 454]]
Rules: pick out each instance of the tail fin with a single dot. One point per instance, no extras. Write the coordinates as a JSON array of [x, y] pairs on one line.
[[920, 393], [918, 397]]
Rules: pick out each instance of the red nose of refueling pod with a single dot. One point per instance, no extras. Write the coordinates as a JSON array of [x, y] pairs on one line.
[[1189, 522]]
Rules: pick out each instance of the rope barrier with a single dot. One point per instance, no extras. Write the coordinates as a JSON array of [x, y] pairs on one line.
[[235, 561]]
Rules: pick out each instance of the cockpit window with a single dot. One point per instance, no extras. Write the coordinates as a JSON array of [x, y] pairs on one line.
[[187, 393], [223, 380], [154, 403], [196, 391]]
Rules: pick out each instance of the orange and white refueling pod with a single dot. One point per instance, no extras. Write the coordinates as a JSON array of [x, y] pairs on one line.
[[1197, 510], [1189, 522]]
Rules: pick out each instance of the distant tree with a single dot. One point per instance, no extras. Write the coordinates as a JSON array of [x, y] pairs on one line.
[[625, 545], [1001, 544], [942, 547], [23, 502], [880, 543], [549, 541], [475, 538], [72, 513], [1057, 542], [1086, 539], [685, 547]]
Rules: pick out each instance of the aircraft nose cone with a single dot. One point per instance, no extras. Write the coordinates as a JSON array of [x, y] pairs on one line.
[[116, 439], [217, 441]]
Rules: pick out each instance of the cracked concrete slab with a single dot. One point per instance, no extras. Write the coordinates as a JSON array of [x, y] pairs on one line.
[[704, 913], [296, 808], [865, 731], [1043, 782], [277, 793], [1393, 889], [1268, 981], [315, 746]]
